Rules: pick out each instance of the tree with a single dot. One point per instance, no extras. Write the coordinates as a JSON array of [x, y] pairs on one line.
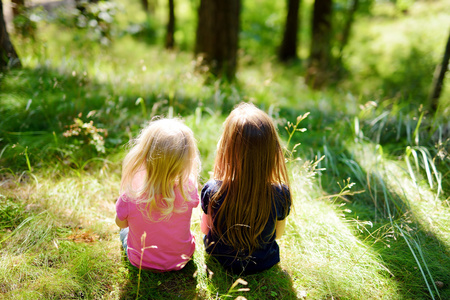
[[8, 55], [218, 36], [288, 48], [17, 7], [319, 70], [438, 79], [149, 6], [170, 41]]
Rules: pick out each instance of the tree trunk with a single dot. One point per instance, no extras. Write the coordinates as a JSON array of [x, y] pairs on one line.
[[438, 79], [170, 41], [218, 36], [320, 55], [145, 5], [17, 7], [288, 48], [8, 55]]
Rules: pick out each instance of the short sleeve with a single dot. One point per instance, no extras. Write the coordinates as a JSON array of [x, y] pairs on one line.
[[282, 201], [206, 194], [122, 207], [193, 193]]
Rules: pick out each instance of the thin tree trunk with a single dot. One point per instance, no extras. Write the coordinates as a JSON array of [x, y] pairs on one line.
[[17, 7], [8, 55], [438, 79], [218, 36], [145, 5], [170, 40], [320, 56], [288, 48]]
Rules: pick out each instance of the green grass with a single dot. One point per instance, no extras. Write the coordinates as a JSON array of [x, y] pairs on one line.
[[370, 176]]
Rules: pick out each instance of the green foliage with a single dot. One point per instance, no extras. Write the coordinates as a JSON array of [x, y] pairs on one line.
[[25, 24], [86, 134], [95, 19]]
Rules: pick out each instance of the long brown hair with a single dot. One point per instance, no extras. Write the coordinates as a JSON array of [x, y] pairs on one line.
[[248, 162]]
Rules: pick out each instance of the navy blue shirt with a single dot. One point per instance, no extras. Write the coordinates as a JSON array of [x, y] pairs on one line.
[[264, 257]]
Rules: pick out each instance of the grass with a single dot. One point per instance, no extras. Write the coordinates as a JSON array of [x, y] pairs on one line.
[[369, 173]]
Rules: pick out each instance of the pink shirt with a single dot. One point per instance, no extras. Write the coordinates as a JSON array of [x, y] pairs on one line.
[[174, 241]]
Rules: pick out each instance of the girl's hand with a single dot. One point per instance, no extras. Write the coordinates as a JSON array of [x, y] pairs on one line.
[[206, 223], [279, 228]]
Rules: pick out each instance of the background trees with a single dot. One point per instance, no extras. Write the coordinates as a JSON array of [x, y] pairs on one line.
[[170, 34], [217, 36], [439, 76], [8, 55], [318, 71], [325, 52], [289, 44]]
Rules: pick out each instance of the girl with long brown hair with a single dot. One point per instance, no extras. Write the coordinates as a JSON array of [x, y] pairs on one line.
[[248, 199]]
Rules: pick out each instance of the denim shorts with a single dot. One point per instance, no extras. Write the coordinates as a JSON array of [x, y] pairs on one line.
[[123, 238]]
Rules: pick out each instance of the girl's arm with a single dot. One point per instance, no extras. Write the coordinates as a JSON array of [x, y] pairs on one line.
[[279, 228], [205, 224], [121, 224]]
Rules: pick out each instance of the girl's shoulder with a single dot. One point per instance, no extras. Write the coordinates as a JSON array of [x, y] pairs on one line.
[[124, 197], [282, 192], [212, 185], [280, 188]]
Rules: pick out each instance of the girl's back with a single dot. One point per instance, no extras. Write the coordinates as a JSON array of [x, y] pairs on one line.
[[159, 191], [246, 203], [169, 242], [264, 256]]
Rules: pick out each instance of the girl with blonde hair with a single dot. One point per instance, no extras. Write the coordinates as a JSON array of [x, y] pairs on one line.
[[158, 193], [246, 203]]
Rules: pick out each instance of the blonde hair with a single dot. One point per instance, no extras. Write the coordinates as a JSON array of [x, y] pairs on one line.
[[249, 161], [166, 153]]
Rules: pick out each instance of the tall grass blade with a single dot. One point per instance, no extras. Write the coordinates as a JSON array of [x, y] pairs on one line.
[[409, 151], [427, 167], [416, 131], [329, 161], [141, 101], [357, 132], [356, 170], [28, 159], [426, 267], [3, 150], [386, 198], [416, 259], [17, 228]]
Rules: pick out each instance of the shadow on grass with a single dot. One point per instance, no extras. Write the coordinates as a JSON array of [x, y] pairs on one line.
[[274, 283], [167, 285], [407, 246]]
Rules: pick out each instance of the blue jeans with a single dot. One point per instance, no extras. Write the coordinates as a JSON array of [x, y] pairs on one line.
[[123, 238]]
